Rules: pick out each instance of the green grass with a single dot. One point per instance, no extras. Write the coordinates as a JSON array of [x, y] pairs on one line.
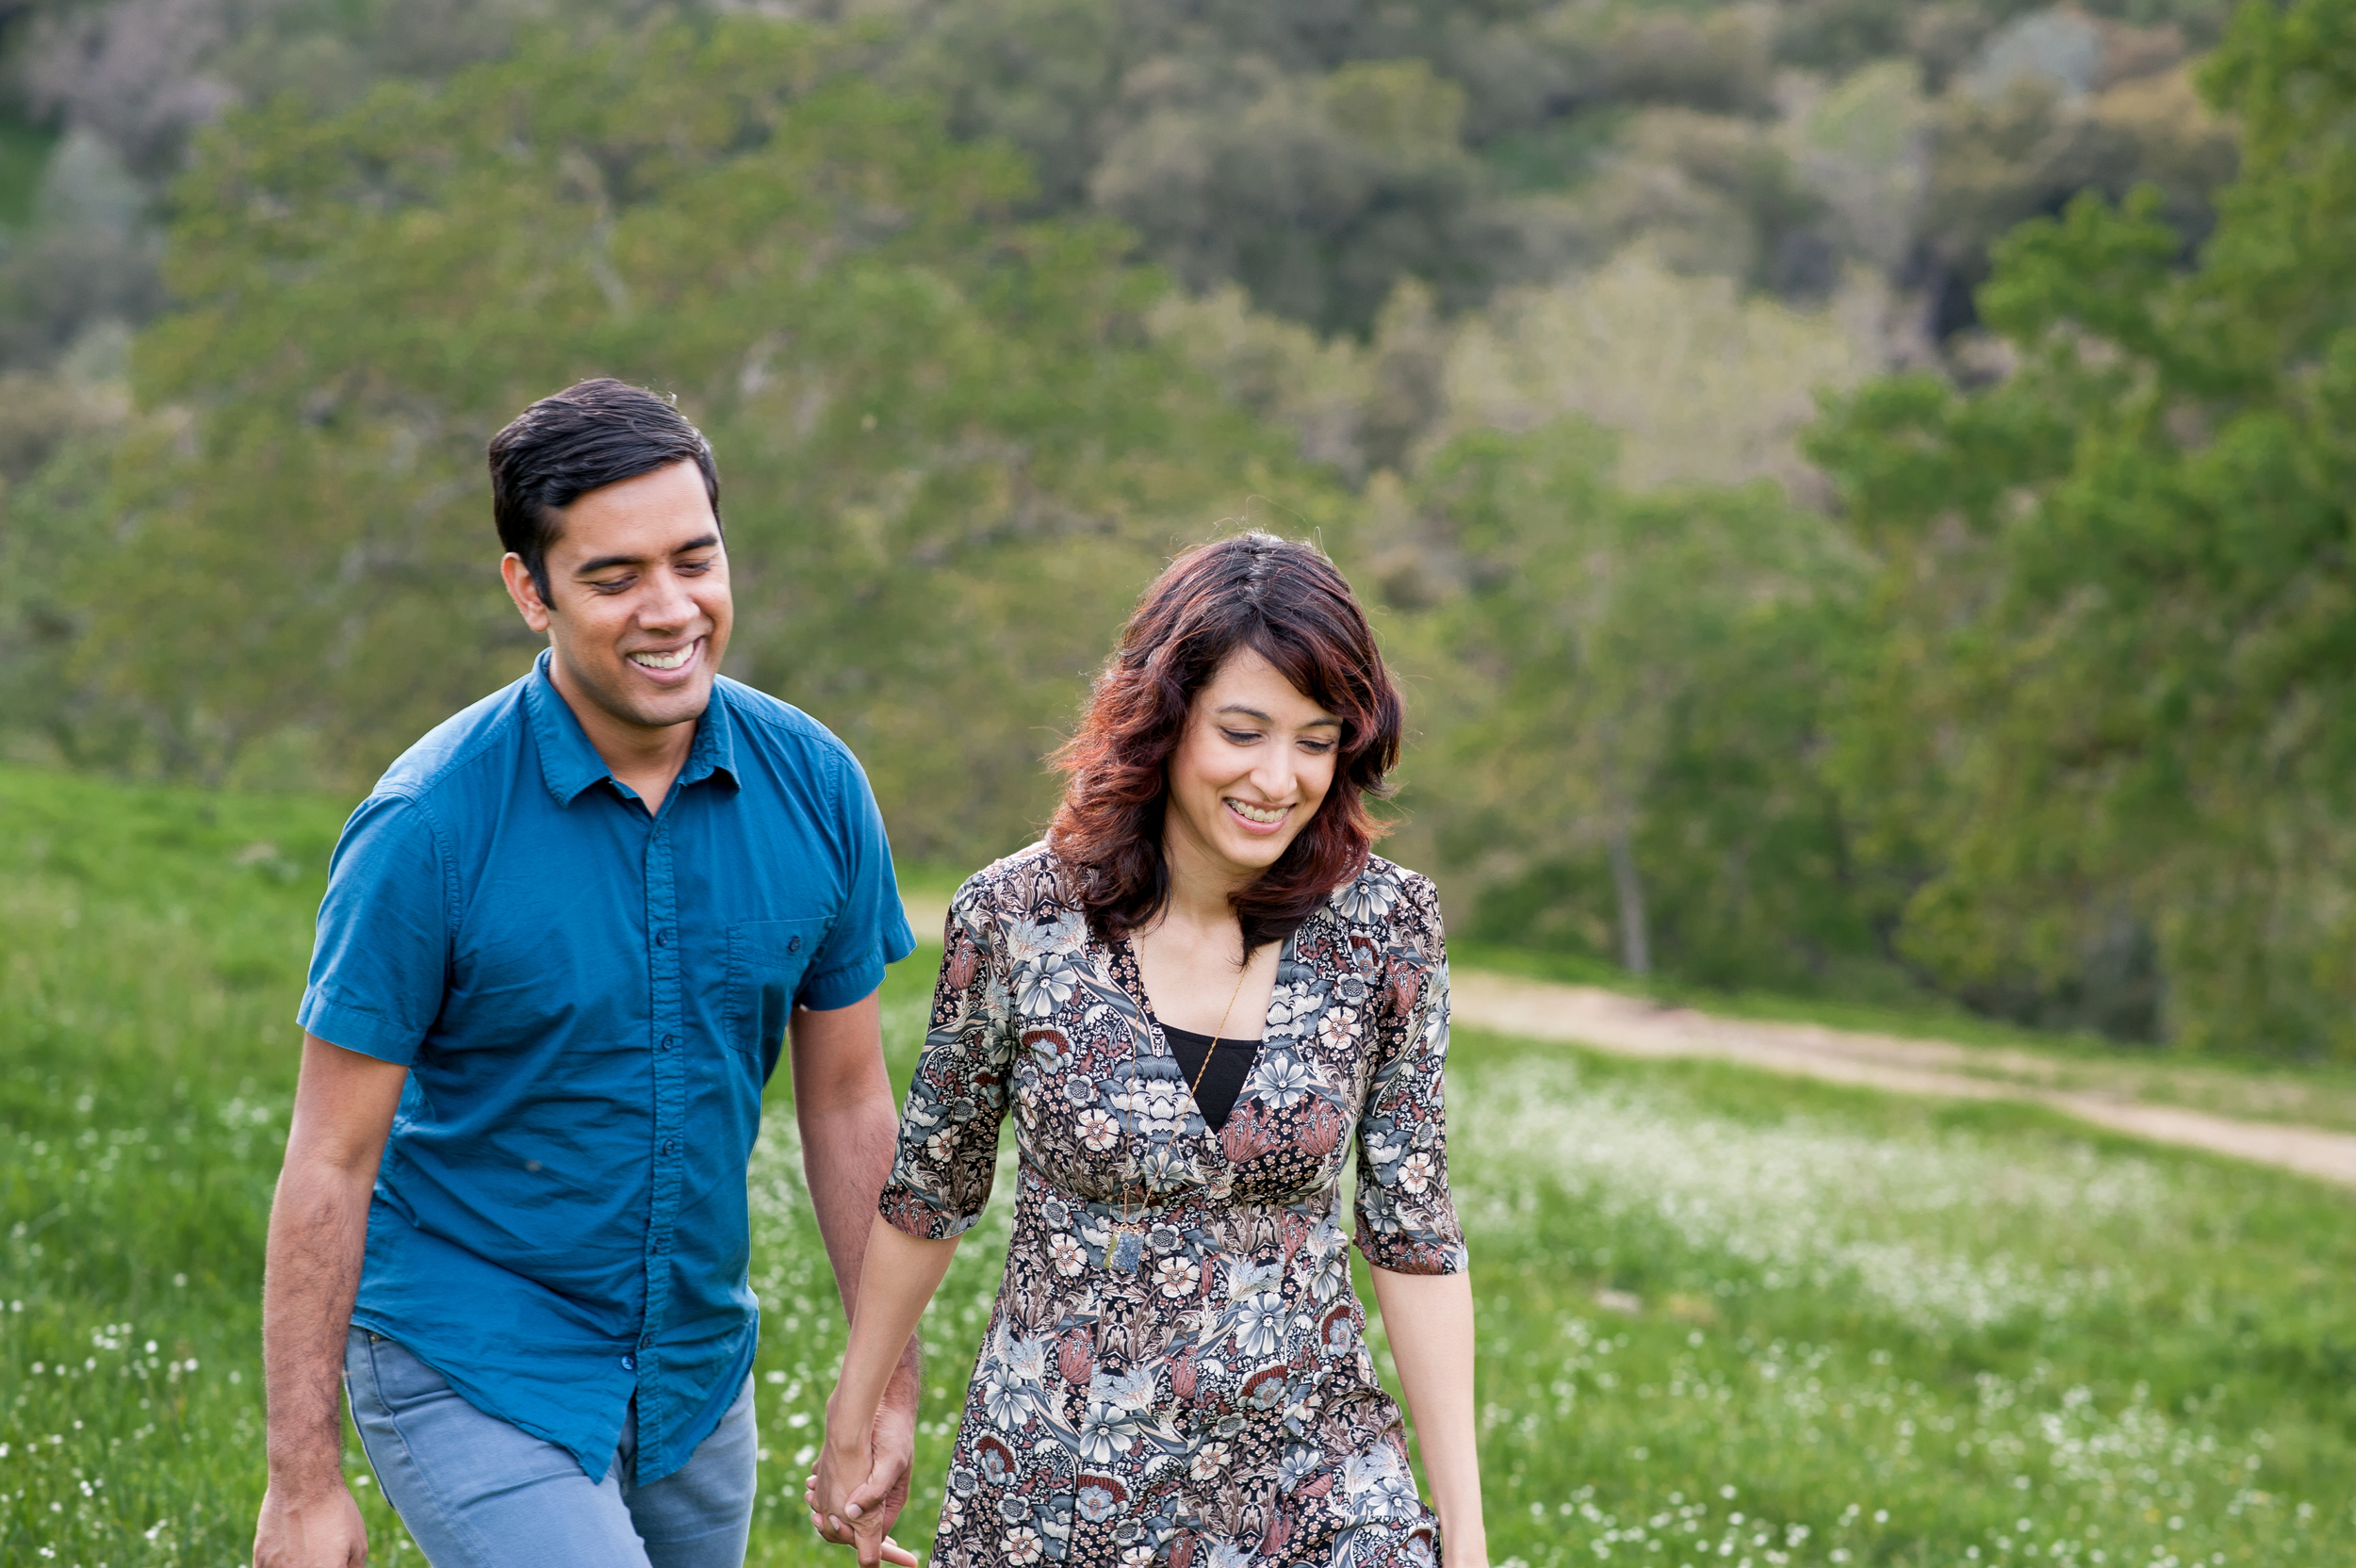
[[1749, 1319]]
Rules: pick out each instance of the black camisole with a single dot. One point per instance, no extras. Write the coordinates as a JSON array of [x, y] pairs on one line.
[[1222, 1081]]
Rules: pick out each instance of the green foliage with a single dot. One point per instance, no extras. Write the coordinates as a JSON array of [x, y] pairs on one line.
[[1626, 745], [949, 457], [2112, 669], [23, 151]]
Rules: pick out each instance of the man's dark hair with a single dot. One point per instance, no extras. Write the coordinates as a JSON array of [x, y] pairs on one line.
[[592, 434]]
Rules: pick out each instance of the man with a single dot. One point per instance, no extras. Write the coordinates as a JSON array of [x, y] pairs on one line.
[[562, 943]]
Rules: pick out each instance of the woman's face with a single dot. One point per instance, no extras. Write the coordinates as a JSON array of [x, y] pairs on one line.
[[1251, 771]]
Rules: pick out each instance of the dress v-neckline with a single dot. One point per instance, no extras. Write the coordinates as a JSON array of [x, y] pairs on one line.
[[1125, 949]]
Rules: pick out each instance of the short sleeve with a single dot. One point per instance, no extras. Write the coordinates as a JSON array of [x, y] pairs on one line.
[[948, 1147], [872, 928], [381, 959], [1406, 1217]]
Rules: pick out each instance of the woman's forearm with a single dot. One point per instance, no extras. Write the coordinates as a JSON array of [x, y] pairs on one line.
[[1428, 1320], [897, 1279]]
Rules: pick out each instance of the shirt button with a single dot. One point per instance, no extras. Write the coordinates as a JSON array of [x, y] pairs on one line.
[[670, 1146], [663, 938], [794, 945], [629, 1363], [669, 1040]]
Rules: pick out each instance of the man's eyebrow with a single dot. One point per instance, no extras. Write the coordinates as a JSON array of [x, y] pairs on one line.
[[1238, 708], [607, 563]]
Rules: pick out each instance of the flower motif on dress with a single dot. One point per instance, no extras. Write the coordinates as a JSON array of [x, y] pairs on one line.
[[1377, 1484], [1336, 1025], [1279, 1079], [1066, 1254], [1260, 1324], [1174, 1278], [1368, 901], [1299, 1462], [1153, 1106], [1021, 1545], [1208, 1462], [1043, 984], [1098, 1129], [1415, 1171], [1102, 1435]]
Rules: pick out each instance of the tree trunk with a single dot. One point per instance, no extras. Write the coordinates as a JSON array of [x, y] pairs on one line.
[[1635, 937]]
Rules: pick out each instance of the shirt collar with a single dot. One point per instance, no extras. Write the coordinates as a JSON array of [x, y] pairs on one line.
[[569, 764], [714, 755]]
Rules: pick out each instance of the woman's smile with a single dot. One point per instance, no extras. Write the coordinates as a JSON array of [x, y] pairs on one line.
[[1258, 819]]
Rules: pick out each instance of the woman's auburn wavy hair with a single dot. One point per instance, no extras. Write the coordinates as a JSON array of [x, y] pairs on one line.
[[1288, 602]]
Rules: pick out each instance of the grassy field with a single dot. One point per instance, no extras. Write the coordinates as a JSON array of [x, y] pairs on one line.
[[1727, 1319]]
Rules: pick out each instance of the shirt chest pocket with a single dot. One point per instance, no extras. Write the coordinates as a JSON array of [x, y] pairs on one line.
[[767, 959]]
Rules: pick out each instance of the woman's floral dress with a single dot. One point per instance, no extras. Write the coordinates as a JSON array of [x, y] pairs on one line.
[[1192, 1388]]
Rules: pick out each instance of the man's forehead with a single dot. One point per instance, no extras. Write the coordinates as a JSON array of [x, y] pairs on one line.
[[654, 515]]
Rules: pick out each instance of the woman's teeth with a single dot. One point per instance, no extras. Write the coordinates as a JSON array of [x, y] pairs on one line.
[[1265, 815], [664, 660]]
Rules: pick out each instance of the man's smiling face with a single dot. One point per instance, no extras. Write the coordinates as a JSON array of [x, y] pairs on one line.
[[638, 608]]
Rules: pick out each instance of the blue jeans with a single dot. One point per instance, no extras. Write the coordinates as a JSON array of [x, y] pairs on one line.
[[478, 1493]]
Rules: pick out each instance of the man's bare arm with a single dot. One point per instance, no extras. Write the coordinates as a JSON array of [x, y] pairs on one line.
[[319, 1225], [843, 1106]]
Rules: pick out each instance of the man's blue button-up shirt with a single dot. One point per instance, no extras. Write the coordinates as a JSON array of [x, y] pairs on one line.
[[589, 999]]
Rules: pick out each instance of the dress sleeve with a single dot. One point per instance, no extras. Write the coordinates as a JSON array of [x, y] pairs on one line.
[[1406, 1218], [948, 1147]]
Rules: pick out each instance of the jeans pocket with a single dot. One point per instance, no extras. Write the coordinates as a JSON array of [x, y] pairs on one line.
[[403, 1381]]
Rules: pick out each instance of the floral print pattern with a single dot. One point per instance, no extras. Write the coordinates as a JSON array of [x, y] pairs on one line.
[[1191, 1387]]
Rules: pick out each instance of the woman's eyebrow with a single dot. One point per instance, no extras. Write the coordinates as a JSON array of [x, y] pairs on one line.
[[1241, 712]]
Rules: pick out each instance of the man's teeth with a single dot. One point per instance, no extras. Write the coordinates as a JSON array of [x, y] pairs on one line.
[[1258, 813], [664, 660]]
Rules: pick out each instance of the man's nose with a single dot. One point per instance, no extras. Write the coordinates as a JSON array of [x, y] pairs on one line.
[[667, 601]]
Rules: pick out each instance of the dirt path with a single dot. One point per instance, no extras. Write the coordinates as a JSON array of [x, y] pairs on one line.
[[1633, 1026]]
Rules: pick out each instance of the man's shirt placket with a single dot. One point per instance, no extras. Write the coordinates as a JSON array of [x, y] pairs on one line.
[[667, 1029]]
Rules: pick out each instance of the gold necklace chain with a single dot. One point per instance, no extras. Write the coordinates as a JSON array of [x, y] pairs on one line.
[[1128, 1125]]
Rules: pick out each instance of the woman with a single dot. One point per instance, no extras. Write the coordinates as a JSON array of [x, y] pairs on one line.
[[1188, 997]]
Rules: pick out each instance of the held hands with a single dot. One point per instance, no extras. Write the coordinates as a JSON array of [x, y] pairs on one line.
[[861, 1478]]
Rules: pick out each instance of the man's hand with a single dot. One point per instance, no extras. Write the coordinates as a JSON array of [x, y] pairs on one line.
[[320, 1528], [856, 1493]]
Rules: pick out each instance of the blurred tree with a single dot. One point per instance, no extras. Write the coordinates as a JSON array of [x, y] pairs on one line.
[[1632, 686], [950, 454], [2113, 679], [1318, 195]]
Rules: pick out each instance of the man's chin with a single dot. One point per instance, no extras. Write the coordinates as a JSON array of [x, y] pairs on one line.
[[645, 710]]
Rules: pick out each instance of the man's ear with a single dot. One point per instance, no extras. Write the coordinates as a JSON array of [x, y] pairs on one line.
[[524, 591]]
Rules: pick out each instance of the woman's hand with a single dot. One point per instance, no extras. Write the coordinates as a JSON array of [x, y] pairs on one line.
[[857, 1470], [862, 1474]]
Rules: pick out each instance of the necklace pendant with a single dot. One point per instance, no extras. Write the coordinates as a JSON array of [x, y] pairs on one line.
[[1123, 1251]]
